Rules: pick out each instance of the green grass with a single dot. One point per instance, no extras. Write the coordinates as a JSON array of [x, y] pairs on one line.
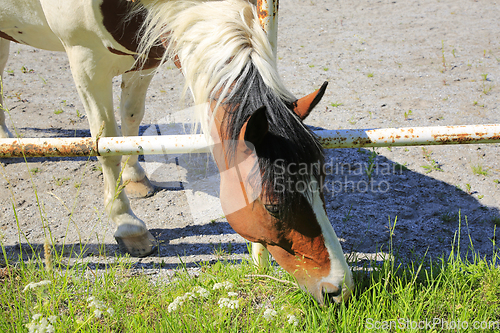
[[80, 298], [83, 297]]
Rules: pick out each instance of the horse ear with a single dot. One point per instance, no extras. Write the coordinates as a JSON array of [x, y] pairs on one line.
[[255, 128], [302, 107]]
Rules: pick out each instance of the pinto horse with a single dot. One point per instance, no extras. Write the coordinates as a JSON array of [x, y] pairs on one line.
[[261, 144]]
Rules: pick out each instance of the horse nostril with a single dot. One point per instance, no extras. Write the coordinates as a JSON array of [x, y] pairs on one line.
[[329, 294]]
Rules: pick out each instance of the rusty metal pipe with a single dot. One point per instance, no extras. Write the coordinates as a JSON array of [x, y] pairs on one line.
[[410, 136], [182, 144], [267, 11]]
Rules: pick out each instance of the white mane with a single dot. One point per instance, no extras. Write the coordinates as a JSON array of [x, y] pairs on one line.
[[213, 40]]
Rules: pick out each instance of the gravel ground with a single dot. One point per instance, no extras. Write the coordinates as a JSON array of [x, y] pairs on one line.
[[389, 64]]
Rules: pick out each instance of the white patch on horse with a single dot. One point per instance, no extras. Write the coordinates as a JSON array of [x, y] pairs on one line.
[[340, 274]]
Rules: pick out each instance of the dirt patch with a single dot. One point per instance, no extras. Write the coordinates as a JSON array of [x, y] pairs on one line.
[[389, 64]]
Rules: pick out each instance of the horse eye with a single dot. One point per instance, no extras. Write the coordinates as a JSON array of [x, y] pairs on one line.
[[274, 210]]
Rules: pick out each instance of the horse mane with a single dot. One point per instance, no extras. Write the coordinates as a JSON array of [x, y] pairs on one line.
[[214, 40], [226, 57], [290, 156]]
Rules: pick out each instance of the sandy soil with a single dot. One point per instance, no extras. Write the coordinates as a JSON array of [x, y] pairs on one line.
[[439, 59]]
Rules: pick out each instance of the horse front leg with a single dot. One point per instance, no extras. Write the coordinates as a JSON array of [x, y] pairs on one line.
[[4, 56], [93, 73], [132, 104]]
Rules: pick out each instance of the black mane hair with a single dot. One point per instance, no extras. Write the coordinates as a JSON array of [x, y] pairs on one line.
[[286, 151]]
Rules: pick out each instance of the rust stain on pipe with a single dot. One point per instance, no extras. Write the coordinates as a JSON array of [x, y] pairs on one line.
[[261, 12], [85, 147]]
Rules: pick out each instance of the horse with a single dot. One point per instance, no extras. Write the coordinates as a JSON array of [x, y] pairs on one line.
[[271, 164]]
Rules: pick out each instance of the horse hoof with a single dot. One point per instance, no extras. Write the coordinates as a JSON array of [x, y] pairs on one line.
[[140, 189], [138, 246]]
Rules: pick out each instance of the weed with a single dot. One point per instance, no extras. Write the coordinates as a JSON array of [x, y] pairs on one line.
[[486, 88], [336, 105], [311, 66], [479, 170], [352, 121], [58, 111], [432, 166], [370, 75], [325, 69], [60, 181], [408, 114], [427, 153], [371, 164], [348, 215], [35, 170], [496, 181], [401, 167], [496, 220], [25, 70], [449, 217], [480, 196], [468, 188], [18, 94], [41, 78]]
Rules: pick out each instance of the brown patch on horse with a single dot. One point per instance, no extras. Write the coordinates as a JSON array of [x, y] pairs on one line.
[[125, 30], [7, 37], [303, 107]]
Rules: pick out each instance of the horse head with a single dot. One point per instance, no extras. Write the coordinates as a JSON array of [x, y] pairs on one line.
[[294, 227]]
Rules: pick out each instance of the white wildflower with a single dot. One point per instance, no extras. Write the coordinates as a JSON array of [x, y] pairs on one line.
[[98, 307], [36, 316], [226, 285], [33, 285], [97, 313], [52, 319], [227, 303], [232, 294], [201, 291], [97, 304], [178, 301], [292, 320], [40, 324], [189, 296], [269, 314], [172, 307], [234, 304]]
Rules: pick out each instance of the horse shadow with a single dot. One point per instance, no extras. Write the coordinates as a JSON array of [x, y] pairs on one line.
[[375, 205]]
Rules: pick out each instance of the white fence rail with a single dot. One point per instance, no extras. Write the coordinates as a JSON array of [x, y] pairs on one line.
[[181, 144]]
